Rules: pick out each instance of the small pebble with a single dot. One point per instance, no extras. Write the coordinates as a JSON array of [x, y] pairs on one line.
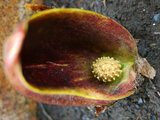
[[145, 107], [140, 101], [97, 2], [153, 44], [156, 17], [136, 106], [153, 118]]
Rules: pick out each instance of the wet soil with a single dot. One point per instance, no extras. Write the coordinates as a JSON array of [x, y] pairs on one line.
[[142, 19]]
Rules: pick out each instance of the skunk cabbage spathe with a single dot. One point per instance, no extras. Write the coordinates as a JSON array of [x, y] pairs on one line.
[[71, 57]]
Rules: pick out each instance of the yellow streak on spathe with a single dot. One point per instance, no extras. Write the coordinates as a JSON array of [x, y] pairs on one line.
[[80, 79], [44, 65], [60, 65]]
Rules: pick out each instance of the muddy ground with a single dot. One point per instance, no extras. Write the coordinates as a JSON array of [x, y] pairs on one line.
[[142, 19]]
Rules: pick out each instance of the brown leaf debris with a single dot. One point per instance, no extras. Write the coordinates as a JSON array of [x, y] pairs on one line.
[[145, 68]]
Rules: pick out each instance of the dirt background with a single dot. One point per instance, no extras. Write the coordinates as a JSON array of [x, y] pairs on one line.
[[142, 19]]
